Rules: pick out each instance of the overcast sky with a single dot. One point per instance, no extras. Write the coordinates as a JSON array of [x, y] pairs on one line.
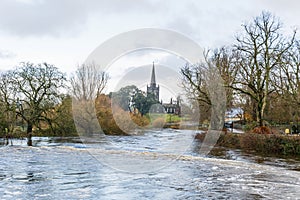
[[65, 32]]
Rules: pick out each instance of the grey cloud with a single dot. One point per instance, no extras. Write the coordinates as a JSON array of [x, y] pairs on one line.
[[40, 17], [287, 11], [58, 17], [212, 23]]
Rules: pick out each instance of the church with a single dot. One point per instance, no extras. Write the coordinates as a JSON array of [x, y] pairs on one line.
[[173, 107]]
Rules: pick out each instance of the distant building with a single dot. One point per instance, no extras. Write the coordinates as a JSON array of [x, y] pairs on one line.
[[173, 107], [153, 90]]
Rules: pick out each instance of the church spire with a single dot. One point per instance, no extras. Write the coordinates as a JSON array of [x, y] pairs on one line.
[[153, 89], [153, 81]]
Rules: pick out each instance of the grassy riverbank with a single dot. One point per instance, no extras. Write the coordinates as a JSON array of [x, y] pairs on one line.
[[267, 144]]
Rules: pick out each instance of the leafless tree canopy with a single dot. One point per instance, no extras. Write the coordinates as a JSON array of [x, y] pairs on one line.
[[88, 82], [202, 81], [194, 82], [288, 76], [261, 48], [86, 85], [261, 64]]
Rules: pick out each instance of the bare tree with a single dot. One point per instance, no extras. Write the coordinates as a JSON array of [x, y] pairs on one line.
[[194, 83], [290, 73], [287, 78], [261, 48], [8, 104], [198, 79], [32, 91], [88, 82], [224, 59], [205, 84], [86, 85]]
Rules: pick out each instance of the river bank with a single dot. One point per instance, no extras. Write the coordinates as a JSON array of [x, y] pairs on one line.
[[264, 144]]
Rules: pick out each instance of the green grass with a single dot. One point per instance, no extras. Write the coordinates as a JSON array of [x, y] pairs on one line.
[[169, 118]]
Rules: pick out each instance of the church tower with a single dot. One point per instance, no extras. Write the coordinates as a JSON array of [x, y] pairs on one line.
[[153, 90]]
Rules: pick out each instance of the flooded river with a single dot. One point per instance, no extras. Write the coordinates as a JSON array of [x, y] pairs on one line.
[[156, 165]]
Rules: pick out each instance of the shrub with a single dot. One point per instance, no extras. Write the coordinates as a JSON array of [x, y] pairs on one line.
[[200, 136], [249, 126], [141, 121], [262, 130], [158, 122], [270, 144], [229, 140], [121, 122], [267, 144], [226, 140]]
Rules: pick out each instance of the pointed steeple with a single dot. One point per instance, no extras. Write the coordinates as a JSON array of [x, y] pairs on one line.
[[153, 80], [153, 89]]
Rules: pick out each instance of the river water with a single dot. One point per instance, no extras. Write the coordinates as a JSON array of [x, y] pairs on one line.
[[160, 164]]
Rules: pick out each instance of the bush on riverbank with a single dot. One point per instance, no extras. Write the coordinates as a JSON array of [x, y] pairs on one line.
[[62, 124], [116, 121], [262, 130], [158, 122], [267, 144], [271, 144]]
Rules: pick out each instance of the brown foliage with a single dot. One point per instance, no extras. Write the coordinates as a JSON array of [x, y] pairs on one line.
[[159, 122], [116, 121], [262, 130], [200, 136], [271, 144], [267, 144]]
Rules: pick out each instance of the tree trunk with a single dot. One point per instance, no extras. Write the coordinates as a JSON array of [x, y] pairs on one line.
[[29, 134], [263, 108], [259, 114]]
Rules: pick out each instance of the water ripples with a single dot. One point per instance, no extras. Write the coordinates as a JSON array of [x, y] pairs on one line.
[[71, 170]]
